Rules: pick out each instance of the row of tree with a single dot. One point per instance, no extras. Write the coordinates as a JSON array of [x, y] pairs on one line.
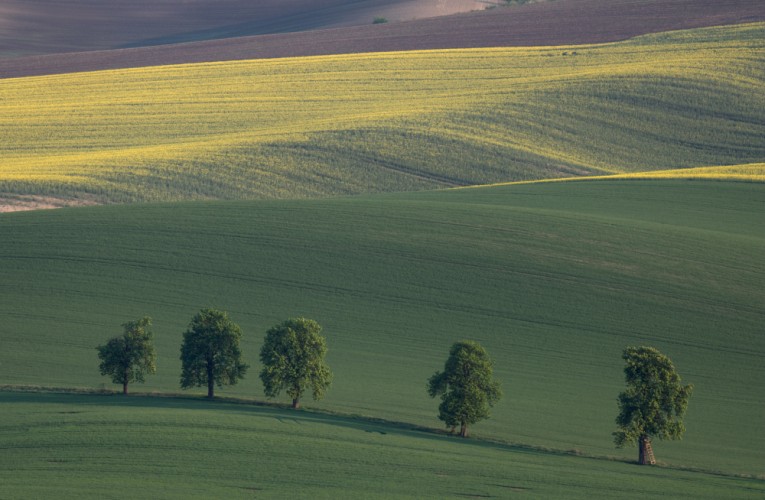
[[292, 355], [652, 406], [293, 352]]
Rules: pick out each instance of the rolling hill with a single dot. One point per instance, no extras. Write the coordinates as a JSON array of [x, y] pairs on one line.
[[554, 279], [311, 127], [99, 446], [282, 159]]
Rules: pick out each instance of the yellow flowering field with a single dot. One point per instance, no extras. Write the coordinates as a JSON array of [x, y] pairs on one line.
[[307, 127]]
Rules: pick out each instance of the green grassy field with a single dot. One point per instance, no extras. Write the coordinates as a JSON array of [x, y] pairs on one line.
[[553, 279], [310, 127], [106, 446]]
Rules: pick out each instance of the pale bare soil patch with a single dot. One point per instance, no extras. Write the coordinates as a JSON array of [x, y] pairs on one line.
[[19, 203]]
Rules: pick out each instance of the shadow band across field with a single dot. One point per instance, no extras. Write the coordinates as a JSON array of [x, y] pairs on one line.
[[61, 425], [279, 412], [85, 399]]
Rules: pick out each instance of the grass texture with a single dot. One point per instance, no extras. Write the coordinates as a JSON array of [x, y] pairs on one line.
[[554, 279], [71, 446], [311, 127]]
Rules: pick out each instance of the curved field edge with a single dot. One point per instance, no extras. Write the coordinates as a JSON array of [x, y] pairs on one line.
[[554, 279], [563, 22], [91, 446], [350, 124], [750, 172]]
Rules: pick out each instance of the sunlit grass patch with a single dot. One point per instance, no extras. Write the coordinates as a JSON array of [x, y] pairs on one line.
[[754, 172], [750, 172]]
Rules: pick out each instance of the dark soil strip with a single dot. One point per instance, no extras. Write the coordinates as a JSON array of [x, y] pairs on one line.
[[561, 22]]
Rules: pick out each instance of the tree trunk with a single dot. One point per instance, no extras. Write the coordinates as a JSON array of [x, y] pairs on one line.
[[210, 380], [463, 429], [296, 403], [643, 452], [124, 387]]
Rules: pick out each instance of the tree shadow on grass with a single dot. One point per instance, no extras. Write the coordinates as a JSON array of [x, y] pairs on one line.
[[281, 412], [85, 398]]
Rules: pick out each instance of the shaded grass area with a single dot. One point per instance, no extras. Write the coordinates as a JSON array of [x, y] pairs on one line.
[[93, 446], [553, 279], [349, 124]]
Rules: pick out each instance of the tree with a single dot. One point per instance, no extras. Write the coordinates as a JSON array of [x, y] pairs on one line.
[[210, 353], [653, 404], [466, 386], [293, 359], [129, 357]]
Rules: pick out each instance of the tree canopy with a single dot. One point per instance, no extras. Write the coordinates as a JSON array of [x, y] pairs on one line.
[[293, 360], [130, 356], [466, 386], [210, 353], [653, 404]]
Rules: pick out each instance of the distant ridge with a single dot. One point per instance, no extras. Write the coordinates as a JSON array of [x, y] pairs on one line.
[[563, 22], [39, 27]]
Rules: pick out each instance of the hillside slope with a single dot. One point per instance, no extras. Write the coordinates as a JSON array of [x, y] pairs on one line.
[[554, 279], [562, 22], [347, 124], [68, 446]]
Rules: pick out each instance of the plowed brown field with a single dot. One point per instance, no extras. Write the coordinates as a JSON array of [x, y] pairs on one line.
[[551, 23], [38, 27]]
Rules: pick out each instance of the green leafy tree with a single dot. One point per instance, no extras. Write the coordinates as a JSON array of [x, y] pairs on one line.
[[293, 359], [129, 357], [653, 404], [466, 386], [210, 353]]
